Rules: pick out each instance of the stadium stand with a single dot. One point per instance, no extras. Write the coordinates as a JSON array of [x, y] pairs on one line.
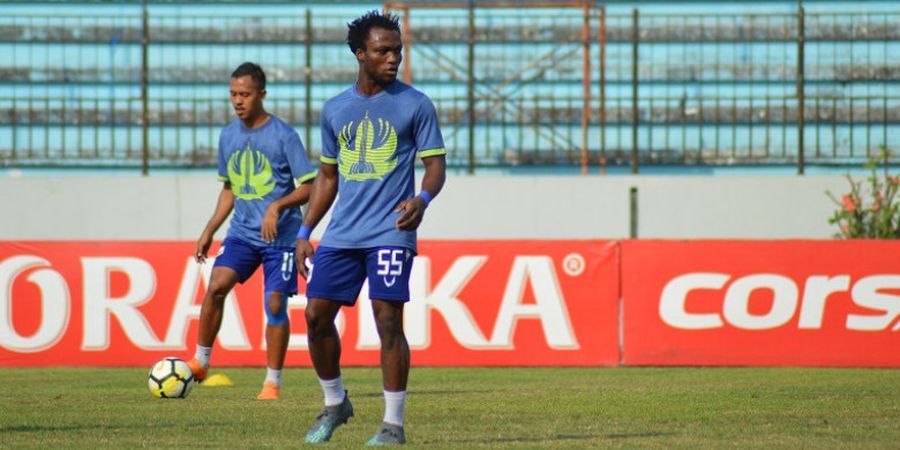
[[599, 83]]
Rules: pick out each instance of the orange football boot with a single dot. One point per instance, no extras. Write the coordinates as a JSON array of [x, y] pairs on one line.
[[269, 391], [197, 369]]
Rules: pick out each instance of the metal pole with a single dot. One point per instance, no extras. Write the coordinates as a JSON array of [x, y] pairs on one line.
[[13, 119], [407, 47], [801, 37], [633, 212], [602, 108], [470, 86], [586, 87], [145, 115], [635, 114], [308, 81]]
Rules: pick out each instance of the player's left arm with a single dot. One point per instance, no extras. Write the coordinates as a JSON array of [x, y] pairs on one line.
[[414, 208], [430, 146], [297, 197], [303, 172]]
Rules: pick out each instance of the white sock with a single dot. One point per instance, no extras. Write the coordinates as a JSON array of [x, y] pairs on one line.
[[394, 404], [273, 376], [202, 354], [334, 391]]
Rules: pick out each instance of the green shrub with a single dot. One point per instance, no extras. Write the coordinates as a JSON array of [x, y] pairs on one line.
[[872, 212]]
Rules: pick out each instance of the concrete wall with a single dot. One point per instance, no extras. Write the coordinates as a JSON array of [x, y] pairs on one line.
[[176, 207]]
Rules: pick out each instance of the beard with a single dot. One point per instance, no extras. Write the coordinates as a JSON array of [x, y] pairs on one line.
[[381, 78]]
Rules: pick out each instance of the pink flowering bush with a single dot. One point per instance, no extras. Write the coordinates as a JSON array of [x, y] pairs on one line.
[[869, 212]]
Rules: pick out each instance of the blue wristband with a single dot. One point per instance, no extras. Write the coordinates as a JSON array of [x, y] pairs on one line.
[[305, 232], [424, 195]]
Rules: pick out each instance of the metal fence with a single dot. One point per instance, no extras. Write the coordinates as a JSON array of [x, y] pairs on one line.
[[561, 84]]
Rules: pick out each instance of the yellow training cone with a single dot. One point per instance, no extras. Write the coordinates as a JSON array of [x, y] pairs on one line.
[[217, 379]]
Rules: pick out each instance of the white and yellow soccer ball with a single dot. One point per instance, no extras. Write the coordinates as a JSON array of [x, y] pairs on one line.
[[170, 377]]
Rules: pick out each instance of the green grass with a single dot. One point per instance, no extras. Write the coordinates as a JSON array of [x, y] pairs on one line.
[[465, 408]]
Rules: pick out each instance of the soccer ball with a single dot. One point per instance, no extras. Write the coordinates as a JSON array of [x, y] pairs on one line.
[[170, 377]]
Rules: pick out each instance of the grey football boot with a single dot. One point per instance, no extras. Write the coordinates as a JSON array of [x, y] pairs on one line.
[[330, 418], [389, 434]]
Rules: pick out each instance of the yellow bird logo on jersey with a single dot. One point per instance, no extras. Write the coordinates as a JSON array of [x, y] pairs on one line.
[[367, 154], [250, 174]]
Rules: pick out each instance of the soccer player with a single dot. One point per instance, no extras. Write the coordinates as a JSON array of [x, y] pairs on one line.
[[266, 177], [372, 134]]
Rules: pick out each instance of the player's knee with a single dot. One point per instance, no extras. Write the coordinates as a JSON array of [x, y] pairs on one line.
[[317, 322], [393, 340], [217, 293], [221, 282], [276, 308], [390, 329], [313, 320]]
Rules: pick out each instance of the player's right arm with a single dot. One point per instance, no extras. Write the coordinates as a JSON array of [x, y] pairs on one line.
[[223, 208], [324, 191]]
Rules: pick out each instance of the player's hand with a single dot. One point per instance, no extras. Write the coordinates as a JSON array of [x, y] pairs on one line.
[[413, 210], [269, 228], [304, 251], [202, 247]]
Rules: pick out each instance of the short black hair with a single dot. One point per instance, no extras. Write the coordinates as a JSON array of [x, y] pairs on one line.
[[358, 30], [254, 71]]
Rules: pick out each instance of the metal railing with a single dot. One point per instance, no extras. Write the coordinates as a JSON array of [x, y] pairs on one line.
[[512, 87]]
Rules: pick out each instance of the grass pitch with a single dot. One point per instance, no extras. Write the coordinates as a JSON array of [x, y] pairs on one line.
[[465, 408]]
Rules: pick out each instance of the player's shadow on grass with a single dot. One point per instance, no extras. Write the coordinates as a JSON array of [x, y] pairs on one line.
[[560, 438], [53, 428], [639, 435], [453, 392], [41, 428], [422, 392]]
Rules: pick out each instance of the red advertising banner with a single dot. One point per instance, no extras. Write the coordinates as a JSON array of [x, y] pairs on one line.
[[473, 303], [798, 303]]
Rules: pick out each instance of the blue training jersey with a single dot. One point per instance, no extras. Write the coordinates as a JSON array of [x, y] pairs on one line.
[[262, 164], [374, 141]]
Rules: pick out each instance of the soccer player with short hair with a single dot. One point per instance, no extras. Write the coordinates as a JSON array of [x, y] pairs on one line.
[[266, 177], [372, 134]]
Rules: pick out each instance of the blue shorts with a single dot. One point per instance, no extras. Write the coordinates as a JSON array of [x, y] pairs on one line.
[[278, 264], [338, 273]]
